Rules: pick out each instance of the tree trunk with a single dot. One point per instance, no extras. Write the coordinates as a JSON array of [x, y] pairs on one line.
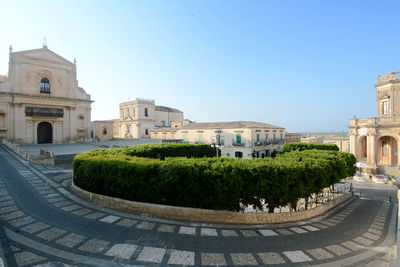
[[271, 209]]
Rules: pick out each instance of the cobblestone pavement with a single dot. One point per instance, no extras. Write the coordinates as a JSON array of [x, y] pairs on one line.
[[43, 224]]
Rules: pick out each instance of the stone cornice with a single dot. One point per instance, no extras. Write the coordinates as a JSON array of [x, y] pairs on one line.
[[60, 98], [387, 82]]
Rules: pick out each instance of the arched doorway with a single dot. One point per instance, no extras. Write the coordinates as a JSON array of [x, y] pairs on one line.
[[363, 148], [387, 151], [44, 133]]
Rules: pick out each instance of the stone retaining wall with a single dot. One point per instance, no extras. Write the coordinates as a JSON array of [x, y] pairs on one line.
[[206, 215]]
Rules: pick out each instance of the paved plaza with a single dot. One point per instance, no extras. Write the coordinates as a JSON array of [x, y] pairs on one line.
[[44, 224], [75, 148]]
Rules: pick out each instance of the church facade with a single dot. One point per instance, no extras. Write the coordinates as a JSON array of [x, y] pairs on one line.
[[376, 141], [41, 101]]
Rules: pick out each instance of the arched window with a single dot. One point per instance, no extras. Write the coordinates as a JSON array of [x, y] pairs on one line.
[[45, 86], [105, 131], [146, 112]]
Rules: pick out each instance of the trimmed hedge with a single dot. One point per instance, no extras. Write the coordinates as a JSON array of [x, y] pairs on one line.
[[161, 151], [308, 146], [212, 183]]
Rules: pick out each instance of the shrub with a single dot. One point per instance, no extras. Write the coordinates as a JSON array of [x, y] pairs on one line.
[[213, 183], [308, 146], [161, 151]]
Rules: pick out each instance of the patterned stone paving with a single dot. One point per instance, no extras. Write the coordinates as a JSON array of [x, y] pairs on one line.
[[10, 213]]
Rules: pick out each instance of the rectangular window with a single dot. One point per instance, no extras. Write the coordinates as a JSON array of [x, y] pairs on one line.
[[266, 137], [384, 107], [274, 136], [200, 138], [238, 139], [184, 137], [218, 139], [281, 137], [258, 137]]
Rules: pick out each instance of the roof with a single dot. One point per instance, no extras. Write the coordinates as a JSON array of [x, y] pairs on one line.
[[167, 109], [56, 57], [104, 121], [229, 125], [165, 129]]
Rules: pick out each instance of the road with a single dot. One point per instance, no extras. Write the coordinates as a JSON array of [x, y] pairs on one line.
[[43, 224]]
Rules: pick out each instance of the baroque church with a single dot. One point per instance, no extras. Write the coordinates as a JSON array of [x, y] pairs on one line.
[[376, 141], [41, 101]]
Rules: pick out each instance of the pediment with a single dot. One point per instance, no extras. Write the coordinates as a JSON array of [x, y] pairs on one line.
[[385, 97], [42, 55]]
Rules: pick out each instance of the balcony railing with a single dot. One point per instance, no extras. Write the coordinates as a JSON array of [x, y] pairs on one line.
[[234, 143], [375, 121], [389, 77], [270, 142]]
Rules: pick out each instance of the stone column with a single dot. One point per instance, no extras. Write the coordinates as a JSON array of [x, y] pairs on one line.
[[11, 119], [398, 152], [353, 143], [35, 125], [372, 150]]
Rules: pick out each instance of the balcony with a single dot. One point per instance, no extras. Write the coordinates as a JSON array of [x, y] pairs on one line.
[[270, 142], [393, 76], [383, 121], [242, 143]]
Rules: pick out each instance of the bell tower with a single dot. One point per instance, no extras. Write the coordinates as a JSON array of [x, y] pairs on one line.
[[388, 95]]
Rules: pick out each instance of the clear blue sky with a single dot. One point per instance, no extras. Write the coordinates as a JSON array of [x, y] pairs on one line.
[[302, 65]]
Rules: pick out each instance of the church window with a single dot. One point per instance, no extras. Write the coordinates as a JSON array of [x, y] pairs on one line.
[[45, 86], [146, 112], [384, 107], [81, 122], [105, 131]]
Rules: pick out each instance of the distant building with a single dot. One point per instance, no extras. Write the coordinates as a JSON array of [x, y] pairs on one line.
[[342, 142], [140, 116], [312, 139], [41, 101], [377, 140], [292, 137], [240, 139], [103, 130]]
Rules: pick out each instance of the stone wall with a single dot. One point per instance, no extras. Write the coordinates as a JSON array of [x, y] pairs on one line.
[[206, 215]]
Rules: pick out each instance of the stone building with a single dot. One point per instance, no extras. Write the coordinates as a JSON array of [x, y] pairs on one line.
[[241, 139], [103, 130], [41, 101], [342, 142], [377, 140], [140, 116]]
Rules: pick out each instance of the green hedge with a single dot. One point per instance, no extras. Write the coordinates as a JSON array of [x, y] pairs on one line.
[[213, 183], [162, 151], [308, 146]]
